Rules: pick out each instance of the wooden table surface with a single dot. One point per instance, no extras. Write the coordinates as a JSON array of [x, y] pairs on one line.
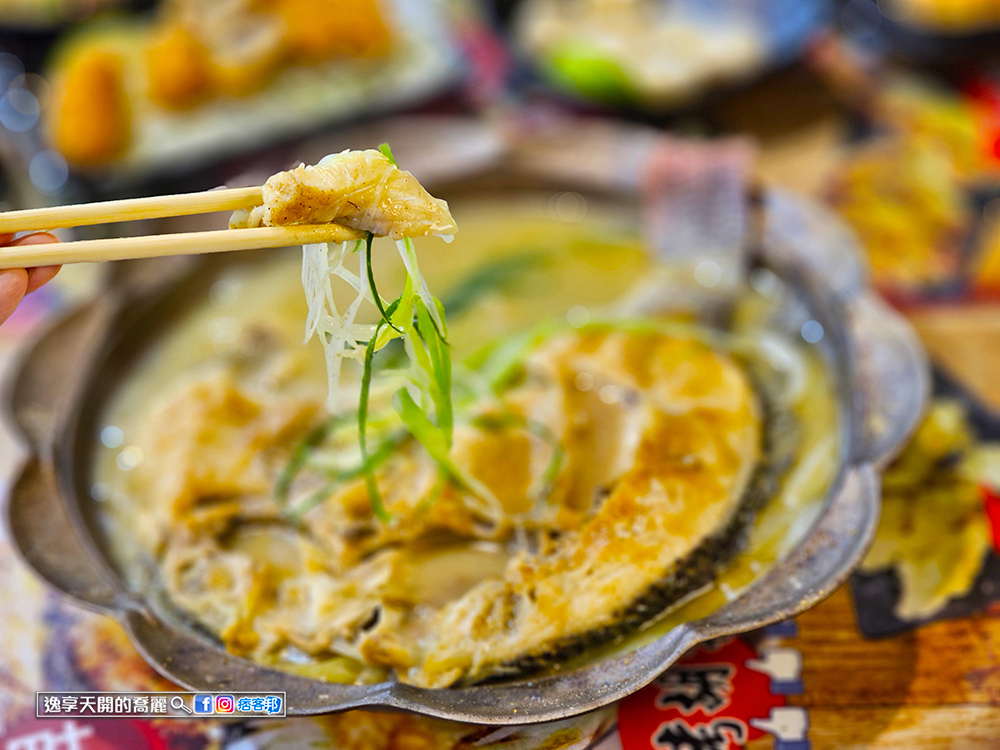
[[934, 687]]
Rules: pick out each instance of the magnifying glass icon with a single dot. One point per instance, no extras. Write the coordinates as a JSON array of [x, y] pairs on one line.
[[177, 703]]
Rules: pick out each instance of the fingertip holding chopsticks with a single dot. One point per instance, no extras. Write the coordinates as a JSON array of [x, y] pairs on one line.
[[187, 243]]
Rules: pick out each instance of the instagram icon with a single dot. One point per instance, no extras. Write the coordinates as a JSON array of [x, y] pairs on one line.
[[224, 704]]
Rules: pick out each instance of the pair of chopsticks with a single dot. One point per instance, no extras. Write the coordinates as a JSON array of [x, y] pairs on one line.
[[122, 248]]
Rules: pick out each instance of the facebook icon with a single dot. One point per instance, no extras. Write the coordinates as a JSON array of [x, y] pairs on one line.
[[204, 704]]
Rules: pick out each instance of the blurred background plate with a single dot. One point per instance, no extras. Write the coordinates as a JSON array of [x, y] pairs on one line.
[[656, 57], [132, 98]]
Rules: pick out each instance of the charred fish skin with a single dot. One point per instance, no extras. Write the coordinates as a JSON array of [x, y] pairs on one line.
[[701, 567]]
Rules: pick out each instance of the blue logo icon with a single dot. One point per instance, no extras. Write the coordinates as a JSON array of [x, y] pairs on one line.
[[272, 704], [204, 704]]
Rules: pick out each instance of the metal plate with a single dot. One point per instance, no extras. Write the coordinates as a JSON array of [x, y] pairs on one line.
[[881, 379]]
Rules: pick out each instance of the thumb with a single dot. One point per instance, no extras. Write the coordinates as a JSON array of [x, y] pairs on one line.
[[13, 285]]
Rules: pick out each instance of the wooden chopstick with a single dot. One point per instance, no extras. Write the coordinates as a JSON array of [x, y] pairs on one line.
[[108, 212], [188, 243], [122, 248]]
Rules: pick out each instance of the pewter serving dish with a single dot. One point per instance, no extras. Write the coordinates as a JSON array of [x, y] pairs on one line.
[[877, 366]]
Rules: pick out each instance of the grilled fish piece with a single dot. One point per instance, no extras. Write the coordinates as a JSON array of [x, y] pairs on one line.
[[363, 190], [665, 526], [668, 448]]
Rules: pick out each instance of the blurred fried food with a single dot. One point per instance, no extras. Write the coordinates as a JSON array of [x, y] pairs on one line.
[[192, 53], [908, 209], [317, 30], [94, 124], [939, 120], [934, 530], [178, 68], [247, 50]]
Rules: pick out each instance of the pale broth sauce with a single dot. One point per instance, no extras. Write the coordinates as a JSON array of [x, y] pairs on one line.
[[550, 267]]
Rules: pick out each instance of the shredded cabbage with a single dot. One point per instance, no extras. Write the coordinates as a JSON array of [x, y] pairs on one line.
[[343, 338], [340, 336]]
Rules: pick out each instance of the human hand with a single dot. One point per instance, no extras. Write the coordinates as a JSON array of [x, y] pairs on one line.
[[17, 282]]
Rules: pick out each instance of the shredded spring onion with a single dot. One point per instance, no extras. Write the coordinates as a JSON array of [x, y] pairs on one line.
[[424, 404], [339, 333]]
